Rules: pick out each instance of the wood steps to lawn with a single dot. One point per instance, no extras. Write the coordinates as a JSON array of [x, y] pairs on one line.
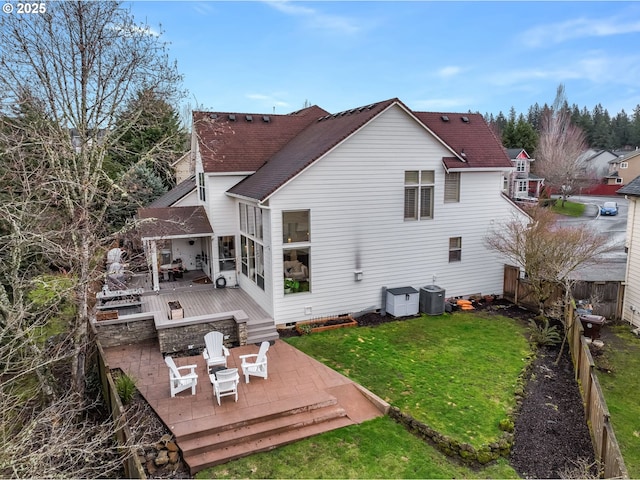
[[261, 330], [207, 443]]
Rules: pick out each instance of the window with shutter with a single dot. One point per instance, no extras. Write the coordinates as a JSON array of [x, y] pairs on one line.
[[452, 187]]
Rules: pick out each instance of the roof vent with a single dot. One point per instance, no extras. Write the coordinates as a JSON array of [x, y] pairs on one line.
[[444, 118], [249, 118], [266, 119], [465, 119], [462, 154], [232, 118]]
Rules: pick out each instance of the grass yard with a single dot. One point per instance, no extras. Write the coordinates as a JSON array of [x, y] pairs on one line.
[[620, 388], [379, 448], [570, 209], [457, 373]]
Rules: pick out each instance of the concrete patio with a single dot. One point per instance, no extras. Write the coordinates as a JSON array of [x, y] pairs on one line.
[[300, 398]]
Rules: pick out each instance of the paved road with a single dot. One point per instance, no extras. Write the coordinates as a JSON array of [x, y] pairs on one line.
[[614, 227]]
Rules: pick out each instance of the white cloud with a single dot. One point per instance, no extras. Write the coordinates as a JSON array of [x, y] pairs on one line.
[[596, 66], [268, 100], [316, 19], [555, 33], [202, 8], [449, 71]]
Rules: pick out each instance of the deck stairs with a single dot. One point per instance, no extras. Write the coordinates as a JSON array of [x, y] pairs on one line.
[[206, 442], [261, 330]]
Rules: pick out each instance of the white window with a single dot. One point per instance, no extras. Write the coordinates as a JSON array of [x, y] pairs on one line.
[[297, 270], [251, 220], [227, 252], [452, 187], [252, 250], [618, 180], [522, 188], [296, 226], [624, 165], [521, 165], [455, 249], [201, 188], [418, 194]]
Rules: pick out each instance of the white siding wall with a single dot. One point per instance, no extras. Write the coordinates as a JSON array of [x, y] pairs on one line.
[[222, 209], [190, 200], [356, 196], [632, 288]]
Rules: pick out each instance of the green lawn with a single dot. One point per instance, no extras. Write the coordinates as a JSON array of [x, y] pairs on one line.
[[457, 373], [570, 209], [379, 448], [621, 388]]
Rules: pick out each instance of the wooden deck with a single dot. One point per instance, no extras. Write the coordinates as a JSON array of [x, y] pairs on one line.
[[203, 300]]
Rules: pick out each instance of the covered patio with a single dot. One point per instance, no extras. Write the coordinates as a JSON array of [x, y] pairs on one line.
[[301, 397]]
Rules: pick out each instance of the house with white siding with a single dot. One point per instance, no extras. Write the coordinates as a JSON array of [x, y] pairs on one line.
[[631, 302], [312, 214]]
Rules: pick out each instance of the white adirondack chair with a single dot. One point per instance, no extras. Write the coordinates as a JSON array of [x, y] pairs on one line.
[[225, 383], [257, 367], [178, 381], [215, 353]]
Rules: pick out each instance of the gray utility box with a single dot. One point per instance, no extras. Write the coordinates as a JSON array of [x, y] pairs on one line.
[[432, 300], [402, 301]]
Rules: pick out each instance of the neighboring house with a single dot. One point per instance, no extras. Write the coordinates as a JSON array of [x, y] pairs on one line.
[[184, 167], [623, 169], [596, 162], [313, 213], [631, 303], [521, 184]]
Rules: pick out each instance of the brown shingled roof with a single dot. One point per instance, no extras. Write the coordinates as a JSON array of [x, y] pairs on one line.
[[173, 222], [243, 142], [278, 147], [305, 148], [473, 137]]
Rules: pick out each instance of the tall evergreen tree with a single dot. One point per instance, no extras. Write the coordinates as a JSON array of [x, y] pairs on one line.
[[149, 131]]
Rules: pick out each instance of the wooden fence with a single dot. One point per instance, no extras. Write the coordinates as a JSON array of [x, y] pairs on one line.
[[132, 466], [604, 440], [606, 297]]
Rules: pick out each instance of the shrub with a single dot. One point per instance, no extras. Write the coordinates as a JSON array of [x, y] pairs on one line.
[[544, 335], [126, 387]]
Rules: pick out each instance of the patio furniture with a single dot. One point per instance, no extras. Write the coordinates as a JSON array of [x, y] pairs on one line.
[[178, 381], [258, 367], [225, 383], [215, 353]]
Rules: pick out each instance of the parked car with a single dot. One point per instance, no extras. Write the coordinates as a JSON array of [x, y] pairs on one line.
[[609, 208]]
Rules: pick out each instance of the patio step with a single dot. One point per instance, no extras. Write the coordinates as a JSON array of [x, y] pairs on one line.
[[275, 424], [262, 330]]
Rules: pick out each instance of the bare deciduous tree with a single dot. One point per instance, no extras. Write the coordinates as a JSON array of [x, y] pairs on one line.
[[548, 253], [561, 144], [75, 66], [65, 75]]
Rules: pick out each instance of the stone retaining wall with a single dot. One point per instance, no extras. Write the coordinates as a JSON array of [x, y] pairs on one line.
[[172, 335], [136, 328]]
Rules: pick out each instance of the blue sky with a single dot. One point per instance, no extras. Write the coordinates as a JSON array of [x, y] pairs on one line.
[[273, 56]]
